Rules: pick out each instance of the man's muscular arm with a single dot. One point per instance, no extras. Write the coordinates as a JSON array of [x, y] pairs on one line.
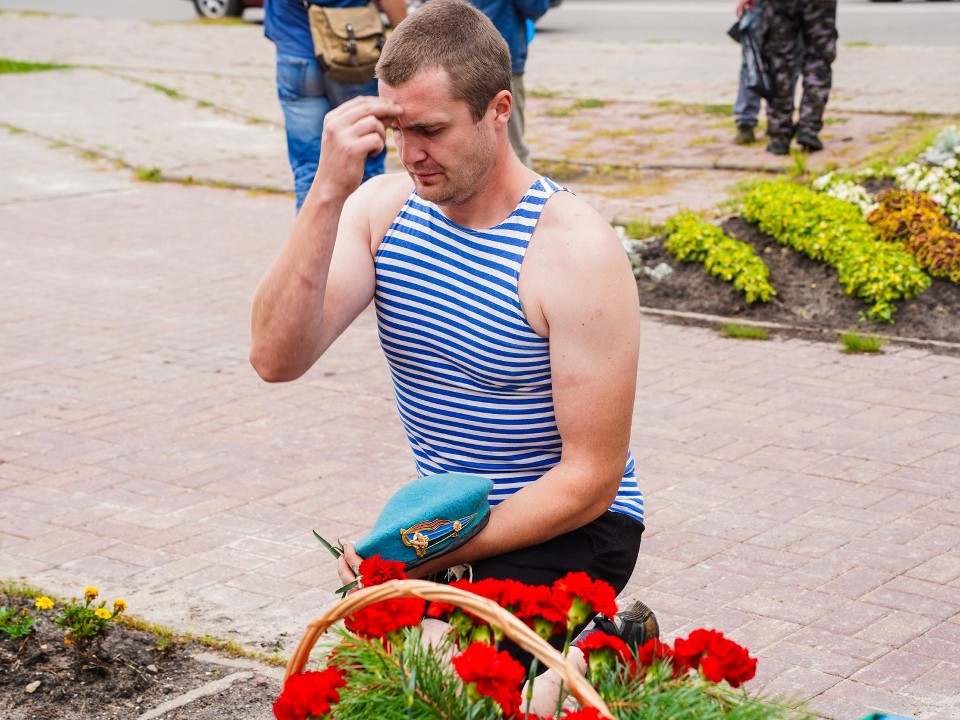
[[323, 277]]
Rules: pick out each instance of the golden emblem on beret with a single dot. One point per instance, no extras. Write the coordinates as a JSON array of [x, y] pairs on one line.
[[431, 533]]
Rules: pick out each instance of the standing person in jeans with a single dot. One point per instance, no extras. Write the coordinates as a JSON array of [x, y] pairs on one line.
[[306, 94], [510, 18], [800, 34], [747, 106]]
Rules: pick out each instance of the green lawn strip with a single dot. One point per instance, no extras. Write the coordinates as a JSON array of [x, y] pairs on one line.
[[19, 66], [693, 239], [745, 332], [854, 343], [833, 231]]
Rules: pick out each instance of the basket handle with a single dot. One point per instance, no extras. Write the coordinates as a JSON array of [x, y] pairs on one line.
[[482, 607]]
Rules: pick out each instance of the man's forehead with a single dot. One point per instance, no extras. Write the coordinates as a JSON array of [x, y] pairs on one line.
[[425, 96]]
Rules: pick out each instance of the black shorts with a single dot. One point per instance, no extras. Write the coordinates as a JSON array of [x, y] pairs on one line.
[[606, 549]]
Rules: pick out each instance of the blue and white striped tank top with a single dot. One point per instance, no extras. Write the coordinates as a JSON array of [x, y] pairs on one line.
[[472, 378]]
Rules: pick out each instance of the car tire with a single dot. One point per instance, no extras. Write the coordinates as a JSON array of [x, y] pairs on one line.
[[218, 8]]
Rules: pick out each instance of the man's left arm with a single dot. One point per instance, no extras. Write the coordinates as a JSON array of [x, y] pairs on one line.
[[581, 281]]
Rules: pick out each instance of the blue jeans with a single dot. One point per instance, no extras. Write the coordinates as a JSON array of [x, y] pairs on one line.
[[306, 96], [747, 106]]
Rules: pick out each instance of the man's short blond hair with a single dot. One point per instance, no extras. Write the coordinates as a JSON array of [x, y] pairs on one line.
[[454, 36]]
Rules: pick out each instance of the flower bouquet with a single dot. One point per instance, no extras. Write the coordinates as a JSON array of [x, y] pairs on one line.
[[384, 668]]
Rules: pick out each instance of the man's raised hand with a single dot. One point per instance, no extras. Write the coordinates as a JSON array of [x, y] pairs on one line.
[[352, 132]]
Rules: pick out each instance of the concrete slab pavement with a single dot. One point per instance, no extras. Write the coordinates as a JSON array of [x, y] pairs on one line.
[[801, 500]]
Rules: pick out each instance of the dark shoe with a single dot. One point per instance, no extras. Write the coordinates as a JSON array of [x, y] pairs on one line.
[[634, 626], [779, 145], [745, 135], [809, 141]]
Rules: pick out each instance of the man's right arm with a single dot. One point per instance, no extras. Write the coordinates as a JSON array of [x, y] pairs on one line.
[[324, 275]]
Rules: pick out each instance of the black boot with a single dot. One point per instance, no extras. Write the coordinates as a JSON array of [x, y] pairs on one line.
[[745, 135], [634, 626], [809, 141], [779, 145]]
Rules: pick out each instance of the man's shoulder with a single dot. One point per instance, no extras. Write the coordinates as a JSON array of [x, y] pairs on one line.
[[572, 232], [570, 213], [380, 199]]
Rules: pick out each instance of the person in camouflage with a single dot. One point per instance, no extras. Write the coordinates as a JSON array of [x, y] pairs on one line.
[[794, 27]]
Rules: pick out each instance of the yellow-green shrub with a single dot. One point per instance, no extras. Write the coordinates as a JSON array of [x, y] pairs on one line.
[[832, 231], [694, 240]]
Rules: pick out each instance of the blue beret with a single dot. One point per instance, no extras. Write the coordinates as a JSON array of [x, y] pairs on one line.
[[428, 518]]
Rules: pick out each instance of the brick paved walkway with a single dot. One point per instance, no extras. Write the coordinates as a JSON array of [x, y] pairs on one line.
[[802, 500]]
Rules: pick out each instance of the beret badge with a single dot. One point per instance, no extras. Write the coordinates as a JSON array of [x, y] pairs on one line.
[[429, 533]]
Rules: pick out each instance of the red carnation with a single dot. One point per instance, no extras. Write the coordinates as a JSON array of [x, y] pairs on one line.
[[716, 656], [308, 695], [590, 713], [601, 642], [540, 608], [653, 650], [603, 653], [376, 571], [493, 674], [386, 616], [583, 595]]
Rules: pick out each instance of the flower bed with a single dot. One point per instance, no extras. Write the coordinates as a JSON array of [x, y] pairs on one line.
[[833, 231]]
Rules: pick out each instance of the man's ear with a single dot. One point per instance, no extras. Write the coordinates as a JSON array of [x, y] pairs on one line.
[[502, 105]]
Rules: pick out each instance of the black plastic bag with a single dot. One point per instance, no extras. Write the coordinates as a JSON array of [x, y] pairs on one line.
[[751, 41]]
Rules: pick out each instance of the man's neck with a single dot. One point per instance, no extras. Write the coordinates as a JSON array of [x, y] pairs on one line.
[[496, 198]]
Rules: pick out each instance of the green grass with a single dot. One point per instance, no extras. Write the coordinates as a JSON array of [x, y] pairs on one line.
[[583, 104], [168, 91], [539, 93], [18, 66], [798, 171], [641, 228], [589, 103], [744, 332], [855, 343], [718, 109], [151, 174]]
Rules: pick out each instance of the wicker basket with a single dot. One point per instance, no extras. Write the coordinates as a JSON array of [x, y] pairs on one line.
[[481, 607]]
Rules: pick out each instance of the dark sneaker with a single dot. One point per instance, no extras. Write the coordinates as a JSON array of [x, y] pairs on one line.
[[745, 135], [634, 626], [779, 145], [809, 141]]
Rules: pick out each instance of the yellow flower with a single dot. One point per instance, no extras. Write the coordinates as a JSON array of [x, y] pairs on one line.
[[103, 613], [44, 603], [90, 594], [119, 605]]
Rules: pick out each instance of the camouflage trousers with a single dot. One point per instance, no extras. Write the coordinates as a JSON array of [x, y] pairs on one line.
[[801, 34]]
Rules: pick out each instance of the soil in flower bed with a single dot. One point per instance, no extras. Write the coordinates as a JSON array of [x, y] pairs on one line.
[[808, 294], [129, 677]]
